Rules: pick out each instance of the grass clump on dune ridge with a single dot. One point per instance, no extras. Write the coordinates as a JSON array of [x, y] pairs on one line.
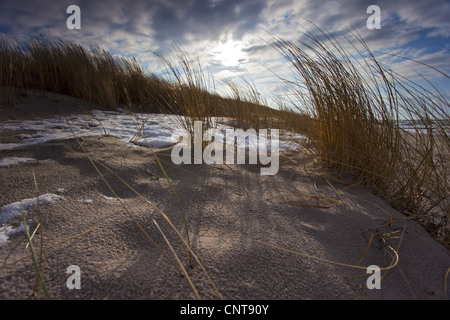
[[68, 68], [359, 107]]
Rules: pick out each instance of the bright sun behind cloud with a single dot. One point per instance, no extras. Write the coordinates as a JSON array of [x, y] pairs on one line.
[[229, 54]]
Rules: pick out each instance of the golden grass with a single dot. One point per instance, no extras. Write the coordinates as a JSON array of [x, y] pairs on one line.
[[357, 105]]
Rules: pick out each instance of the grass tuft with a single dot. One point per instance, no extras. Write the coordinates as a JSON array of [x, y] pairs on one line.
[[359, 108]]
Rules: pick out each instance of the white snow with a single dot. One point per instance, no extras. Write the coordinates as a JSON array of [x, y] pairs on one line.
[[10, 161], [15, 209], [250, 140], [156, 130], [8, 231], [109, 198]]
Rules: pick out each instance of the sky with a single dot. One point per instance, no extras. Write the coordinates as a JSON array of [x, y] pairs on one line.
[[232, 37]]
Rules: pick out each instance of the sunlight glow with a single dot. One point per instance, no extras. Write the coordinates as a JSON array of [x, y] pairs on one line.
[[229, 54]]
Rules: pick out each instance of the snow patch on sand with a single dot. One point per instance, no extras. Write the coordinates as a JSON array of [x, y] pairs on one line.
[[15, 209], [10, 161], [8, 231], [138, 129]]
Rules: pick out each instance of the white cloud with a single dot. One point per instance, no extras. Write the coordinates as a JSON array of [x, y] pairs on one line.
[[139, 28]]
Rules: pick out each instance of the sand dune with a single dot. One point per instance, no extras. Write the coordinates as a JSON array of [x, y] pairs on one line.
[[294, 235]]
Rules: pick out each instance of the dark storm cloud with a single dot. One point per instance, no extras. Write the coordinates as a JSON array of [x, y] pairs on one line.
[[164, 20], [175, 19], [189, 20]]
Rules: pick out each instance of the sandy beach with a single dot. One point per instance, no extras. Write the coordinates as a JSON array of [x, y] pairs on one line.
[[292, 236]]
